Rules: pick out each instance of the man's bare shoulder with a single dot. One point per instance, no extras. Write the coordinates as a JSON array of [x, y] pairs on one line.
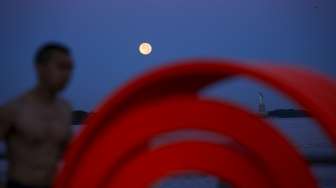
[[10, 108], [13, 106]]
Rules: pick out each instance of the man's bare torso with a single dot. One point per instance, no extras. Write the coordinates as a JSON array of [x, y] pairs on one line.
[[36, 138]]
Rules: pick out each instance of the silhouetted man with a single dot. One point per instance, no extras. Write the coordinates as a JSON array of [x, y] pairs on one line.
[[36, 126]]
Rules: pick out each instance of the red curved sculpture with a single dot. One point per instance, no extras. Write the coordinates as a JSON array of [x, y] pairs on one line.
[[130, 133], [313, 91], [190, 156]]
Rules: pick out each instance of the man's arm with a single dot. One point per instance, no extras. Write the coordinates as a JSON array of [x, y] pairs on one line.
[[5, 121], [5, 124]]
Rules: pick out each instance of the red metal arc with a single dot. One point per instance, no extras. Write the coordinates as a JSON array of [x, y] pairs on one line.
[[203, 157], [313, 91]]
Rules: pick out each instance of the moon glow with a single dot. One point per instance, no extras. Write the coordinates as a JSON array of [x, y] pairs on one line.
[[145, 48]]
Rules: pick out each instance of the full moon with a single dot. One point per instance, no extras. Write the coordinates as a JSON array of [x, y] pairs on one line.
[[145, 48]]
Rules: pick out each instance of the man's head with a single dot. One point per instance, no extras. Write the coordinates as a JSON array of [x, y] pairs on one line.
[[54, 66]]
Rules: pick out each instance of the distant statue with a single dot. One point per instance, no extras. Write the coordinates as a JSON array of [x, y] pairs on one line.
[[261, 106]]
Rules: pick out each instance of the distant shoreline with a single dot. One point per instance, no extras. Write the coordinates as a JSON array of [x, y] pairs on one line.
[[78, 116]]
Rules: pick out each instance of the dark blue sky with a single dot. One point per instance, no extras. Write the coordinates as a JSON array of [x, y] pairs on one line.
[[104, 36]]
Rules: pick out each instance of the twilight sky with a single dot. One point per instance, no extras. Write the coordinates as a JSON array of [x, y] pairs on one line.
[[104, 36]]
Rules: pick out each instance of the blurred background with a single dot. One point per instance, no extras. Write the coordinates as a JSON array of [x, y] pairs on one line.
[[104, 37]]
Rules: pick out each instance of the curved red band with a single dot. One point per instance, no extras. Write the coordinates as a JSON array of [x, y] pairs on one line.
[[136, 127], [182, 157]]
